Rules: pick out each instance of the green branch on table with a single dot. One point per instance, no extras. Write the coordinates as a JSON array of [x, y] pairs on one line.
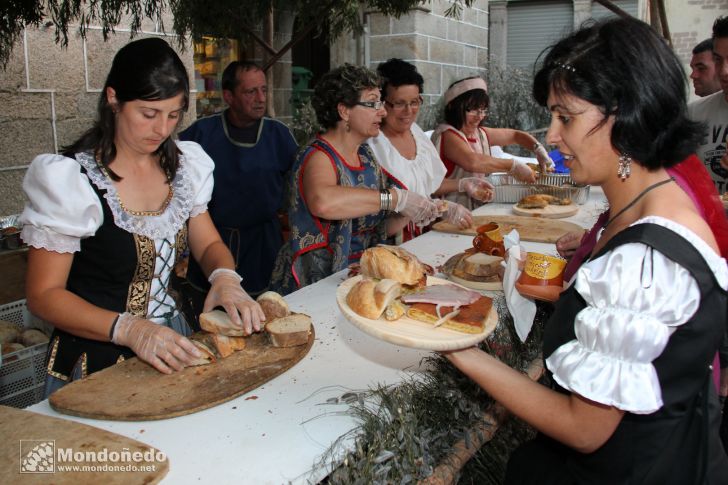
[[408, 429]]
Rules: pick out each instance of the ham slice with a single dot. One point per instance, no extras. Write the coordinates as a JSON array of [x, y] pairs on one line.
[[444, 295]]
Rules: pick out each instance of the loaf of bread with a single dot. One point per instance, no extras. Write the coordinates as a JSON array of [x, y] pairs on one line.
[[480, 264], [394, 263], [219, 322], [12, 347], [273, 305], [32, 337], [289, 331], [9, 332], [369, 298]]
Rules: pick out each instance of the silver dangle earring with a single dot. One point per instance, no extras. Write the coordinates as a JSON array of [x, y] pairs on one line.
[[625, 166]]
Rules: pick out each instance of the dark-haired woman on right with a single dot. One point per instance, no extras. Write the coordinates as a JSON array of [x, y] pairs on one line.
[[628, 349]]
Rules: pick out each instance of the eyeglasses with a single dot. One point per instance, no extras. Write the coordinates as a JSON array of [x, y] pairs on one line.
[[478, 112], [401, 105], [377, 105]]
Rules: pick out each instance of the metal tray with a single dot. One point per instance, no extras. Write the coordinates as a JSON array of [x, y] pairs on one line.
[[508, 190]]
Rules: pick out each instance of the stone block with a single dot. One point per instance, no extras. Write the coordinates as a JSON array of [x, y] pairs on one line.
[[406, 24], [439, 7], [402, 46], [474, 35], [379, 24], [23, 140], [431, 72], [450, 74], [431, 25], [11, 186], [70, 129], [482, 57], [470, 56], [445, 51], [51, 66], [22, 105], [12, 77], [100, 53]]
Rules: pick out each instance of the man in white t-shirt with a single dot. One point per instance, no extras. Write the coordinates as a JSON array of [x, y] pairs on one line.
[[702, 69], [713, 111]]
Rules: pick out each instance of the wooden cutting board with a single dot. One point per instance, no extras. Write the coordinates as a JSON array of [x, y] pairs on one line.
[[550, 211], [51, 436], [134, 391], [537, 229]]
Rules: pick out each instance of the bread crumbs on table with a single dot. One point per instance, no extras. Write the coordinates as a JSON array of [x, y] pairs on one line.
[[251, 398]]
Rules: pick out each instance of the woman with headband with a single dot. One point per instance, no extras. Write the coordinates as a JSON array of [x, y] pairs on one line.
[[464, 145]]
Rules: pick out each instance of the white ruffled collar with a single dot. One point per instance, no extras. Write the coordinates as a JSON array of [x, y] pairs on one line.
[[157, 226]]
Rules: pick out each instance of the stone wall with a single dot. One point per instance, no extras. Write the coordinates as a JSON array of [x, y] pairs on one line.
[[443, 49], [48, 97]]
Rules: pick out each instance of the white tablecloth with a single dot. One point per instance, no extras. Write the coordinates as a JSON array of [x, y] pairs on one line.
[[277, 433]]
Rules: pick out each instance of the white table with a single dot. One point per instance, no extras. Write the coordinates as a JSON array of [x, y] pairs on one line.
[[277, 433]]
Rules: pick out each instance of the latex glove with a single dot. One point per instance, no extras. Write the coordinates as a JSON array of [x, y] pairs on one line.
[[477, 188], [567, 244], [458, 215], [544, 160], [225, 291], [522, 172], [422, 210], [156, 344]]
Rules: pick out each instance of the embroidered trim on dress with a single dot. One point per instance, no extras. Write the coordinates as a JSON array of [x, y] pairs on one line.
[[162, 226], [137, 299], [52, 361], [52, 241]]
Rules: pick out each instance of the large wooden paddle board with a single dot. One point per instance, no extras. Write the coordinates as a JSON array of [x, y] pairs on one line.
[[537, 229], [34, 450], [550, 211], [134, 391]]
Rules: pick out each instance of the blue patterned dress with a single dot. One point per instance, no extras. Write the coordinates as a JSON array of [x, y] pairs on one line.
[[319, 247]]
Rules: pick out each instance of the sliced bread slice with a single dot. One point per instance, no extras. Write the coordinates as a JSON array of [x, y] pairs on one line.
[[289, 331], [219, 322]]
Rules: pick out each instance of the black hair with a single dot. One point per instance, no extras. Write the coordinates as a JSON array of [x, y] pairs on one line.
[[720, 27], [626, 70], [703, 46], [396, 73], [230, 74], [455, 110], [343, 84], [147, 69]]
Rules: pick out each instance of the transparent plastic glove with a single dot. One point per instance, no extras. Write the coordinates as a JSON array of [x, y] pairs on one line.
[[422, 210], [225, 291], [522, 172], [160, 346], [458, 215], [477, 188], [544, 160]]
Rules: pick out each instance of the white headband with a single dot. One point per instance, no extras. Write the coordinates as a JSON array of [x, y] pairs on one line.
[[464, 86]]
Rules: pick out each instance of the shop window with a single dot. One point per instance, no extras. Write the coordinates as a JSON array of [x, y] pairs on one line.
[[212, 55]]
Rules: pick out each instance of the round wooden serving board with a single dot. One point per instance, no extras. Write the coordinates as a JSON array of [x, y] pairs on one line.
[[452, 262], [536, 229], [550, 211], [38, 430], [134, 391], [408, 332]]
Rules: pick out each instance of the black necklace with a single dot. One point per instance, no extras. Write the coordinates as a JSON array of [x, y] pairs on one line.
[[636, 199]]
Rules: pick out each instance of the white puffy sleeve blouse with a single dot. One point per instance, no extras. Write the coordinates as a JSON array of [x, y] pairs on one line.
[[636, 297], [63, 208]]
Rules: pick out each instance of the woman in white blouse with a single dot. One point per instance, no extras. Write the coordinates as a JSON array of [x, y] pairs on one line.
[[629, 346], [107, 220], [407, 155]]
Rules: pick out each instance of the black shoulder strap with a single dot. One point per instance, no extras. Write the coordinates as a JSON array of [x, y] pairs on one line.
[[670, 244]]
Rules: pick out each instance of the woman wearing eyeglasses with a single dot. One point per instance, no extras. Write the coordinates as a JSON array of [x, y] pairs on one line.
[[341, 202], [464, 145], [407, 155]]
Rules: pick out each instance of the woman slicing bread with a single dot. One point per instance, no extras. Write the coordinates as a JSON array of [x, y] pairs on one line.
[[108, 219], [464, 145], [341, 203], [407, 155], [629, 345]]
